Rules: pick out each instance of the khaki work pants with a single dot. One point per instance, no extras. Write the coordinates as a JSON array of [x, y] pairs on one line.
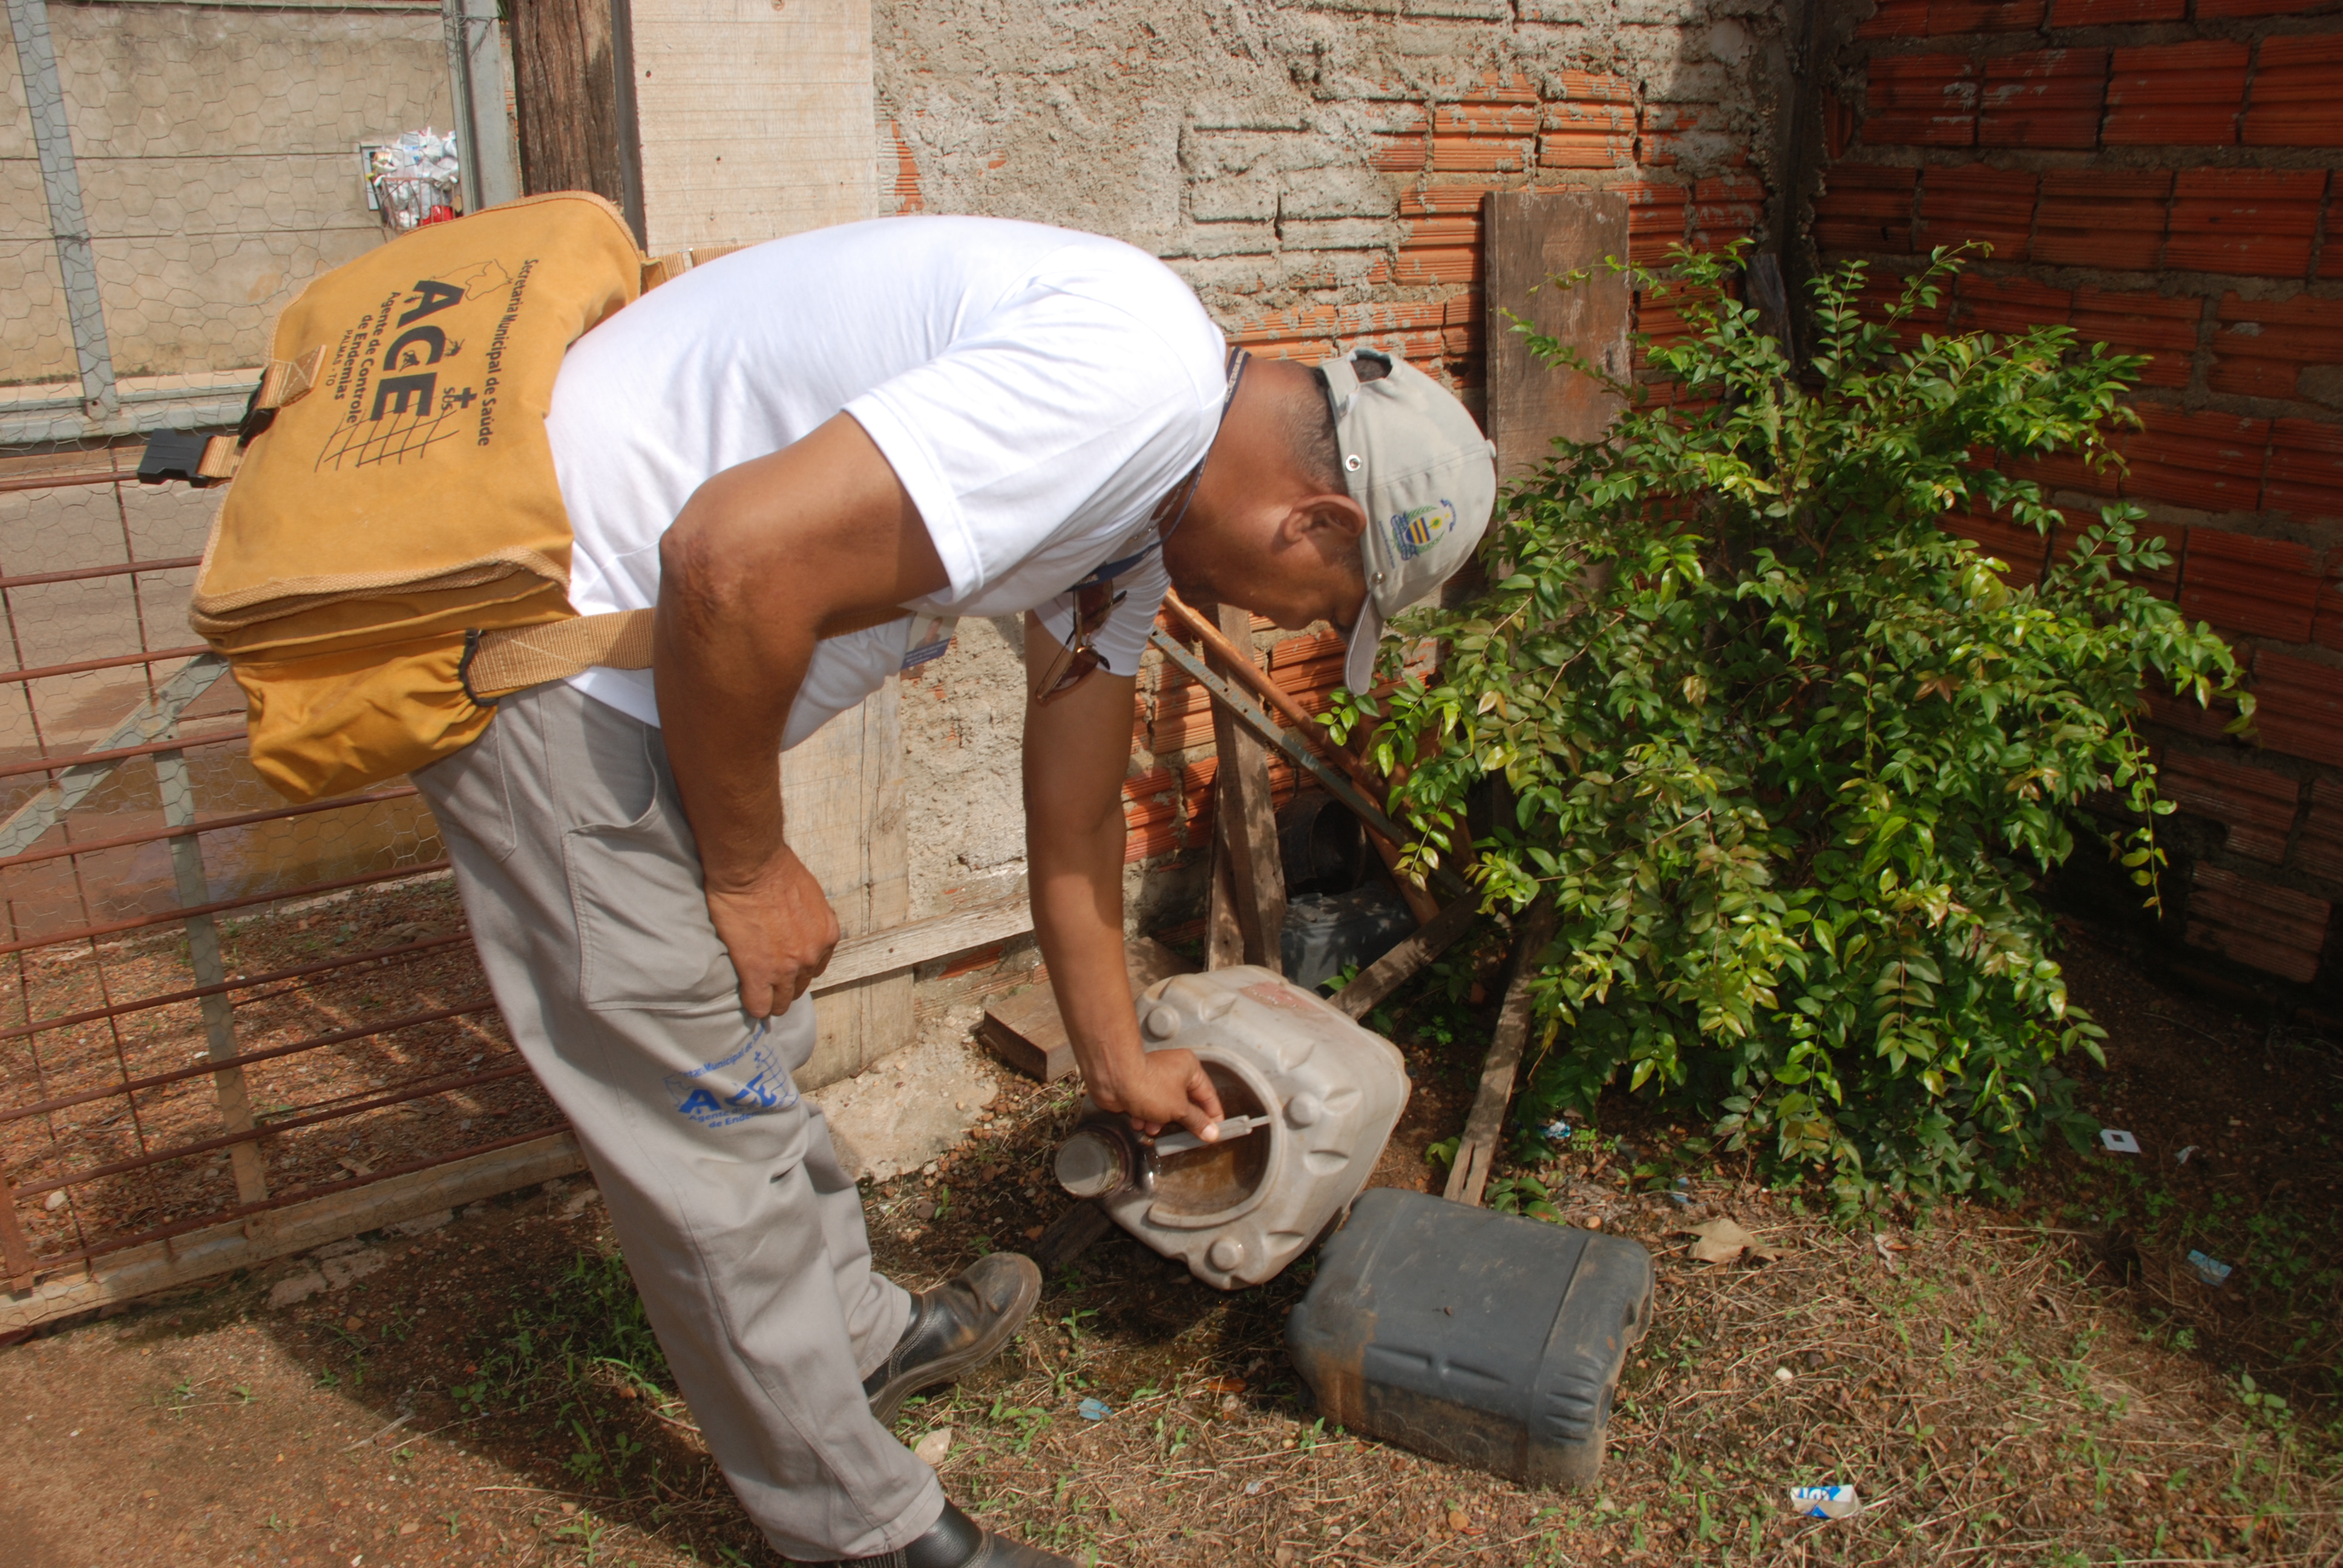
[[582, 883]]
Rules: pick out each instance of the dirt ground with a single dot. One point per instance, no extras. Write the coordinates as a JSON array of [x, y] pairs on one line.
[[2043, 1383]]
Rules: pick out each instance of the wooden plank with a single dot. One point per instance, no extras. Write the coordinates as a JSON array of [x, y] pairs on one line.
[[1223, 937], [1529, 238], [1478, 1147], [1400, 965], [280, 1232], [1245, 823], [842, 794], [919, 941], [757, 119], [570, 83], [1025, 1029]]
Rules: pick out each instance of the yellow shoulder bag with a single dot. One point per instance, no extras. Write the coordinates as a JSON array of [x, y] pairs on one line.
[[393, 552]]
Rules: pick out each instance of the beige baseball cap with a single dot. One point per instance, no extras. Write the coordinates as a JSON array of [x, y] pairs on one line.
[[1426, 476]]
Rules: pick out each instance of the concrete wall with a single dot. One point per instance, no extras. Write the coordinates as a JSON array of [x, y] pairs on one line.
[[2157, 174], [1315, 170]]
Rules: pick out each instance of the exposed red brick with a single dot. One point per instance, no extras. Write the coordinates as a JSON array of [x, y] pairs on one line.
[[906, 191], [2306, 470], [1897, 19], [1484, 119], [2298, 706], [1444, 200], [2176, 95], [1667, 130], [2043, 98], [1724, 210], [1489, 87], [2022, 549], [2164, 328], [2222, 10], [1865, 208], [1922, 101], [1656, 219], [1481, 154], [2297, 93], [2210, 461], [2098, 218], [1400, 154], [2256, 222], [1594, 130], [1305, 649], [1462, 265], [1443, 231], [2010, 305], [2253, 587], [1591, 87], [2264, 345], [1947, 16], [1974, 202], [2257, 805], [2110, 12], [2319, 849], [2275, 929], [1838, 126]]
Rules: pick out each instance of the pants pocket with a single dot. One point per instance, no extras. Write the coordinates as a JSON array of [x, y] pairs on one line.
[[645, 941], [468, 794]]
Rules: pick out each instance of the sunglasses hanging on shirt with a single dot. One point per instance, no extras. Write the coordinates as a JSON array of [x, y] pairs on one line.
[[1096, 595]]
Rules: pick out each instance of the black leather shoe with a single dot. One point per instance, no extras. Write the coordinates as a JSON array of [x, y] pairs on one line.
[[957, 1325], [956, 1541]]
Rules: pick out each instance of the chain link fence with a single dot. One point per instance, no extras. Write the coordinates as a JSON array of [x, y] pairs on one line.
[[214, 1007]]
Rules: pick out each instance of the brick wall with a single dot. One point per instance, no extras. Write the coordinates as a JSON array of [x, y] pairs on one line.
[[1316, 171], [2159, 174]]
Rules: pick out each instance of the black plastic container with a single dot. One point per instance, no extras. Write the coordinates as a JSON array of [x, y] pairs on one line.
[[1325, 933], [1481, 1339]]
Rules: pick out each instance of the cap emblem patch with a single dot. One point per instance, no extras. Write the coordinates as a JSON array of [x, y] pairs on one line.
[[1414, 530]]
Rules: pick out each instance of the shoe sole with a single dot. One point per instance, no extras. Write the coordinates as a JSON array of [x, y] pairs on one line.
[[891, 1393]]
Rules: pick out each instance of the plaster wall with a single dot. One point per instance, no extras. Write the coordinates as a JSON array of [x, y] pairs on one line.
[[1315, 170]]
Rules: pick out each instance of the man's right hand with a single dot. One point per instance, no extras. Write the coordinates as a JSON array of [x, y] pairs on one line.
[[778, 929], [1158, 1088]]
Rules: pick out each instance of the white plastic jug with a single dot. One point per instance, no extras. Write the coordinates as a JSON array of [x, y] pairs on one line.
[[1329, 1092]]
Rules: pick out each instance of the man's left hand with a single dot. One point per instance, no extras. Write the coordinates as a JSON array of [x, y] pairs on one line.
[[778, 929]]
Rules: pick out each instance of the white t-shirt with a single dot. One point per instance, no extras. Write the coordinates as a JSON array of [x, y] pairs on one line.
[[1037, 390]]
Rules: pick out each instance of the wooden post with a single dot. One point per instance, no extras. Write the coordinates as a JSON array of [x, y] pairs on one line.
[[1478, 1147], [757, 119], [1530, 238], [573, 84], [1245, 827]]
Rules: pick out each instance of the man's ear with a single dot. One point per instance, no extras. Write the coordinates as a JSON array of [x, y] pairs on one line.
[[1333, 521]]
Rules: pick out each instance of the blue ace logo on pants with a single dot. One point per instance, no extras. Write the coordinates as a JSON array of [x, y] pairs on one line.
[[749, 1082]]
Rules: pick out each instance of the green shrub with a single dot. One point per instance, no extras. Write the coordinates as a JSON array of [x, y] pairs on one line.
[[1788, 758]]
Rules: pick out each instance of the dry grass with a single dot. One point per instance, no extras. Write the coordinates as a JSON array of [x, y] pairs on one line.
[[1990, 1400]]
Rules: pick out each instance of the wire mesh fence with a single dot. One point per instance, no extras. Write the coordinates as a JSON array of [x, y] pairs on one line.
[[213, 1005]]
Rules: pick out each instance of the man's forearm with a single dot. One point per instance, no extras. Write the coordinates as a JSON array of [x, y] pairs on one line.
[[726, 677], [1077, 893]]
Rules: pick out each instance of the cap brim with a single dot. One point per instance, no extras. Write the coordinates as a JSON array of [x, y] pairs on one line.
[[1366, 638]]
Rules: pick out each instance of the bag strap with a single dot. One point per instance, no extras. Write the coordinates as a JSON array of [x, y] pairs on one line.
[[499, 663]]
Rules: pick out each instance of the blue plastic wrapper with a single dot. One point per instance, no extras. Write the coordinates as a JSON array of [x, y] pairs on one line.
[[1095, 1410]]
